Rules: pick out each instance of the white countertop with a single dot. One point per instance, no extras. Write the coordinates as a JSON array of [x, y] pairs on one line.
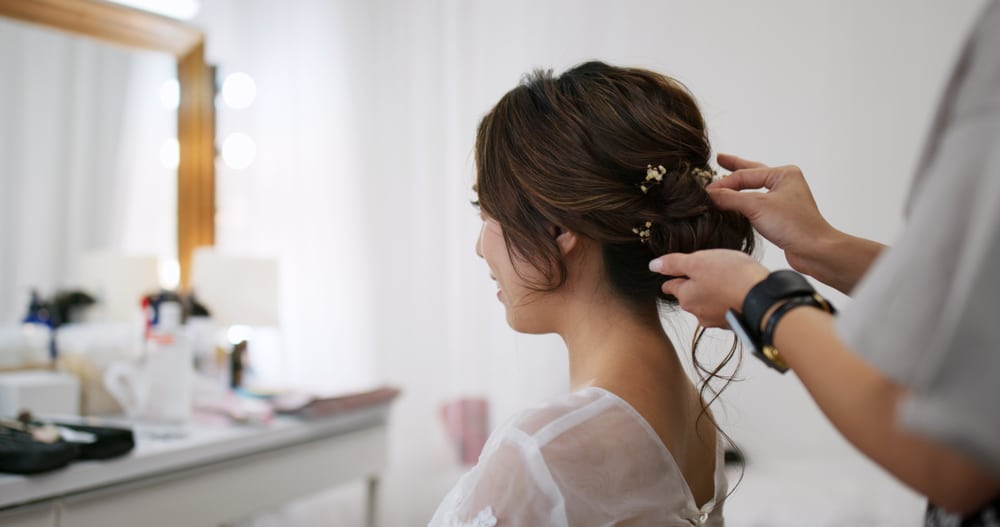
[[204, 444]]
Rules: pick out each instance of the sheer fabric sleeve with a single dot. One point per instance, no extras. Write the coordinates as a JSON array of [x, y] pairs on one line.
[[509, 486]]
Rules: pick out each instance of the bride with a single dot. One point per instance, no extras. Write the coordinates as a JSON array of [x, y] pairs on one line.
[[583, 178]]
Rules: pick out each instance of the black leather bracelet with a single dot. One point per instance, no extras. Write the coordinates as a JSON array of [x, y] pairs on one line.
[[778, 286], [767, 338], [787, 288]]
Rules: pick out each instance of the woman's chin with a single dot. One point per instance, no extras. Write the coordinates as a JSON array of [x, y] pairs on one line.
[[528, 325]]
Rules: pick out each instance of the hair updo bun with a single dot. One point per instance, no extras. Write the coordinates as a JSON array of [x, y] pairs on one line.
[[573, 151]]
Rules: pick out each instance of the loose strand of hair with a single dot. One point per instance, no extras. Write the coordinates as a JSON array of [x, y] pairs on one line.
[[705, 376]]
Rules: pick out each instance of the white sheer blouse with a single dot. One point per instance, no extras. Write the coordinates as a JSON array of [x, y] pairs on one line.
[[587, 458]]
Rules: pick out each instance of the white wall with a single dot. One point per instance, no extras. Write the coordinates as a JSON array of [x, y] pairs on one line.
[[365, 125]]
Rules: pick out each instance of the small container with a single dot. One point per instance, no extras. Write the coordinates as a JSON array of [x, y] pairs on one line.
[[157, 393]]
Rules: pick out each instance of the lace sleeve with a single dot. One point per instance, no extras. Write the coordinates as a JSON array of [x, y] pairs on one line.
[[510, 486]]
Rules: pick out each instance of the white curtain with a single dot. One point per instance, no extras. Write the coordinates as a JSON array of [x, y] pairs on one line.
[[79, 165], [365, 121]]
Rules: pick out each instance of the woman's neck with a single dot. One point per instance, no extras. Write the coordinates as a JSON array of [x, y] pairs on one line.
[[609, 344]]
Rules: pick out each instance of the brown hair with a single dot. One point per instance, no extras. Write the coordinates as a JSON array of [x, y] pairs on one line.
[[572, 151]]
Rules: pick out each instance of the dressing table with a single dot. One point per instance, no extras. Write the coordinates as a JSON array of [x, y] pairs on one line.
[[214, 476]]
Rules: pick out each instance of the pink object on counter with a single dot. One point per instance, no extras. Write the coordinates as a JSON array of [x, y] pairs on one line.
[[466, 421]]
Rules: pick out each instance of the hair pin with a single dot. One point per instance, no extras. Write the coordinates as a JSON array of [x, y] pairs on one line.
[[643, 231], [653, 176], [705, 175]]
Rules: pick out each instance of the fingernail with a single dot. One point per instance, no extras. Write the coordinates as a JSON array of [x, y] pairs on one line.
[[656, 265]]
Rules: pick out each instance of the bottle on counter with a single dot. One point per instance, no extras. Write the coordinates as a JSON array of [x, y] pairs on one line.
[[39, 344]]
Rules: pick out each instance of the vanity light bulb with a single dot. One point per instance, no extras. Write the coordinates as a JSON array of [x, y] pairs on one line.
[[239, 90], [170, 94], [180, 9], [169, 272], [238, 333], [170, 153], [239, 151]]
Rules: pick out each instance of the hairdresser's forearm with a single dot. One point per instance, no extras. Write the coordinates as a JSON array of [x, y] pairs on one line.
[[838, 260], [862, 403]]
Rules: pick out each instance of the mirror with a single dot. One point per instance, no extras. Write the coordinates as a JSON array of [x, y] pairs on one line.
[[88, 160], [132, 30]]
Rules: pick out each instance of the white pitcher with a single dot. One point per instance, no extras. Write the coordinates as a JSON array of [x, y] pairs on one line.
[[156, 392]]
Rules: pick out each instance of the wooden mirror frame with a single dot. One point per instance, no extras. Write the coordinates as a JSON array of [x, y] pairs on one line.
[[133, 28]]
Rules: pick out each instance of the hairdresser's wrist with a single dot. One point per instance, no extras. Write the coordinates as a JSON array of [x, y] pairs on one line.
[[835, 258], [813, 255], [764, 307]]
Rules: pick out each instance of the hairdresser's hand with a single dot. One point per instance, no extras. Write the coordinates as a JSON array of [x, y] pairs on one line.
[[788, 217], [786, 214], [710, 281]]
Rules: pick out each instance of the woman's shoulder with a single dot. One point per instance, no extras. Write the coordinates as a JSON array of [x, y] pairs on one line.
[[575, 457], [595, 412]]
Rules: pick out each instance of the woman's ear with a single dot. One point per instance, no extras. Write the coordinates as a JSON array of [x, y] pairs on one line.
[[566, 240]]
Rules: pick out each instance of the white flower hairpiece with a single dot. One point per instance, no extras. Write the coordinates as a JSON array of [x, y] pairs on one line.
[[705, 175], [643, 231], [653, 176]]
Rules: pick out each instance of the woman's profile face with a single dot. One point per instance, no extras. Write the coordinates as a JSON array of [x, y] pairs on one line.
[[524, 312]]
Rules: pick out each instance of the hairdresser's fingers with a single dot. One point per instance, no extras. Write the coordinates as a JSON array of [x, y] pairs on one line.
[[689, 295], [748, 179], [695, 300], [746, 203], [672, 286], [707, 283], [673, 264], [734, 163]]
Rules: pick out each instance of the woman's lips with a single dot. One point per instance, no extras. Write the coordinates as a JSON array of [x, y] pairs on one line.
[[499, 291]]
